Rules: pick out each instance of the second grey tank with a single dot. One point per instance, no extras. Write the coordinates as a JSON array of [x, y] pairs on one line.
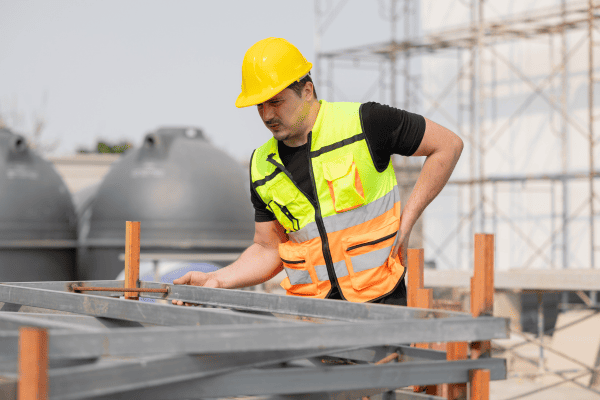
[[188, 195]]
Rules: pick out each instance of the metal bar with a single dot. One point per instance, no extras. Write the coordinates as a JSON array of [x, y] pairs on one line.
[[99, 306], [265, 302], [261, 337], [106, 289], [328, 379], [115, 376], [13, 321], [356, 394], [374, 354]]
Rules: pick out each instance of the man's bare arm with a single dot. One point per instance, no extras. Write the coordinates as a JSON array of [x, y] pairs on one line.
[[442, 148], [257, 264]]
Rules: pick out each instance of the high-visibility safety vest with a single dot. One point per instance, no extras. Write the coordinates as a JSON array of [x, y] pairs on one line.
[[345, 236]]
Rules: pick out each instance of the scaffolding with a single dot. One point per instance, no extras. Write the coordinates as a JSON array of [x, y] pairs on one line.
[[563, 226]]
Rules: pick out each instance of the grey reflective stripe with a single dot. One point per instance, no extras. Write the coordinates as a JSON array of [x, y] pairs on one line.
[[370, 260], [321, 271], [339, 267], [298, 277], [360, 263], [348, 219]]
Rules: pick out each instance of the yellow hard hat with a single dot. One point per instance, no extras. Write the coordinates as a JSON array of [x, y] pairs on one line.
[[270, 66]]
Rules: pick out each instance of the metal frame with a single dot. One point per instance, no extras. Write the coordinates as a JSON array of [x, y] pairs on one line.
[[233, 345], [475, 86]]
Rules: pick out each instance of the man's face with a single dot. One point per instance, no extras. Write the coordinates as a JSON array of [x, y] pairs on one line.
[[285, 116]]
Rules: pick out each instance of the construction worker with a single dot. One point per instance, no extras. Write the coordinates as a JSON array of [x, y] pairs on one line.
[[326, 201]]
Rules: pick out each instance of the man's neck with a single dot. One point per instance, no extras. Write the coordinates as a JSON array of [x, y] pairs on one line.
[[313, 113]]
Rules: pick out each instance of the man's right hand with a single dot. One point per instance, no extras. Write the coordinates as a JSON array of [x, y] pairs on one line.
[[196, 278]]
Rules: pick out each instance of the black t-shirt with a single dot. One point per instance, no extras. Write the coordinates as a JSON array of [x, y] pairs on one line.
[[388, 131]]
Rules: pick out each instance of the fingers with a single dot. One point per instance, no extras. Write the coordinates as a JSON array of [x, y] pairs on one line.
[[184, 280], [181, 303]]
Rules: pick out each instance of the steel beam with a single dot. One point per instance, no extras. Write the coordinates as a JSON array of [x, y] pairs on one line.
[[15, 320], [318, 380], [354, 394], [101, 306], [110, 376], [200, 377], [374, 354], [264, 337], [263, 302]]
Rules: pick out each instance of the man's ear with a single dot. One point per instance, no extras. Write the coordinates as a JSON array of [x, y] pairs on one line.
[[308, 90]]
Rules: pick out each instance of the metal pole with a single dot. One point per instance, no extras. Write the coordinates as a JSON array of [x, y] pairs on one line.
[[592, 138], [540, 323], [481, 106], [317, 43], [472, 127]]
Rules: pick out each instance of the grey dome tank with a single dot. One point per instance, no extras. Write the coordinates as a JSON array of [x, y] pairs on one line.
[[38, 225], [189, 196]]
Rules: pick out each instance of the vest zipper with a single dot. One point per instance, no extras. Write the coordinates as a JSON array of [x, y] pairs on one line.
[[356, 246], [318, 218], [321, 227]]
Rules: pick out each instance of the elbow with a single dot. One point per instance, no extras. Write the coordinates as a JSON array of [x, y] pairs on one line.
[[458, 146]]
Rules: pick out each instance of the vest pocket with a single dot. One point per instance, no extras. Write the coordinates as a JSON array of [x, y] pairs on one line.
[[344, 183], [283, 199], [367, 256], [301, 276]]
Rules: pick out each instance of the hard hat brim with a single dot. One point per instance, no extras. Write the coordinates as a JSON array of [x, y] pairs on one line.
[[268, 92]]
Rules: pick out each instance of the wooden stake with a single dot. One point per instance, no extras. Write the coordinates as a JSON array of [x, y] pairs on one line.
[[482, 295], [479, 380], [33, 364], [425, 300], [482, 288], [456, 351], [415, 275], [132, 258]]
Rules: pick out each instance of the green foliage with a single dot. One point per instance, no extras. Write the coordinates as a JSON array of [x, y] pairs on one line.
[[108, 148]]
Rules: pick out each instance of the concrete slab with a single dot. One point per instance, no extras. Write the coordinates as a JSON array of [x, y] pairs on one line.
[[580, 339]]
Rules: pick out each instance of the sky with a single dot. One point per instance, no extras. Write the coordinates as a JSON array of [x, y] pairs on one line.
[[116, 70]]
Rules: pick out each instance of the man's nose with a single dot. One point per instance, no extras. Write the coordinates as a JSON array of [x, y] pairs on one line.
[[268, 112]]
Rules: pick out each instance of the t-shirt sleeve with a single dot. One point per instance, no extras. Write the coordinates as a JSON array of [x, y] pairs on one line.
[[390, 130], [261, 212]]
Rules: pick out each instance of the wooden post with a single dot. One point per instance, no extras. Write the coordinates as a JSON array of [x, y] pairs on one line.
[[33, 364], [479, 380], [416, 261], [425, 300], [457, 351], [132, 258], [482, 294]]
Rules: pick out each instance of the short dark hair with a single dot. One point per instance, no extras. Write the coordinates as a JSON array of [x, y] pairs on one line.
[[297, 86]]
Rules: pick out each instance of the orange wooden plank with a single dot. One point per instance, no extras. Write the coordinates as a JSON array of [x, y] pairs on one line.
[[482, 287], [416, 261], [33, 364], [132, 258], [456, 351], [423, 299], [479, 380], [482, 298]]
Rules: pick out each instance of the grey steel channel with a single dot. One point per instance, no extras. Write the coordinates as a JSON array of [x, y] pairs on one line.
[[161, 378], [261, 302]]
